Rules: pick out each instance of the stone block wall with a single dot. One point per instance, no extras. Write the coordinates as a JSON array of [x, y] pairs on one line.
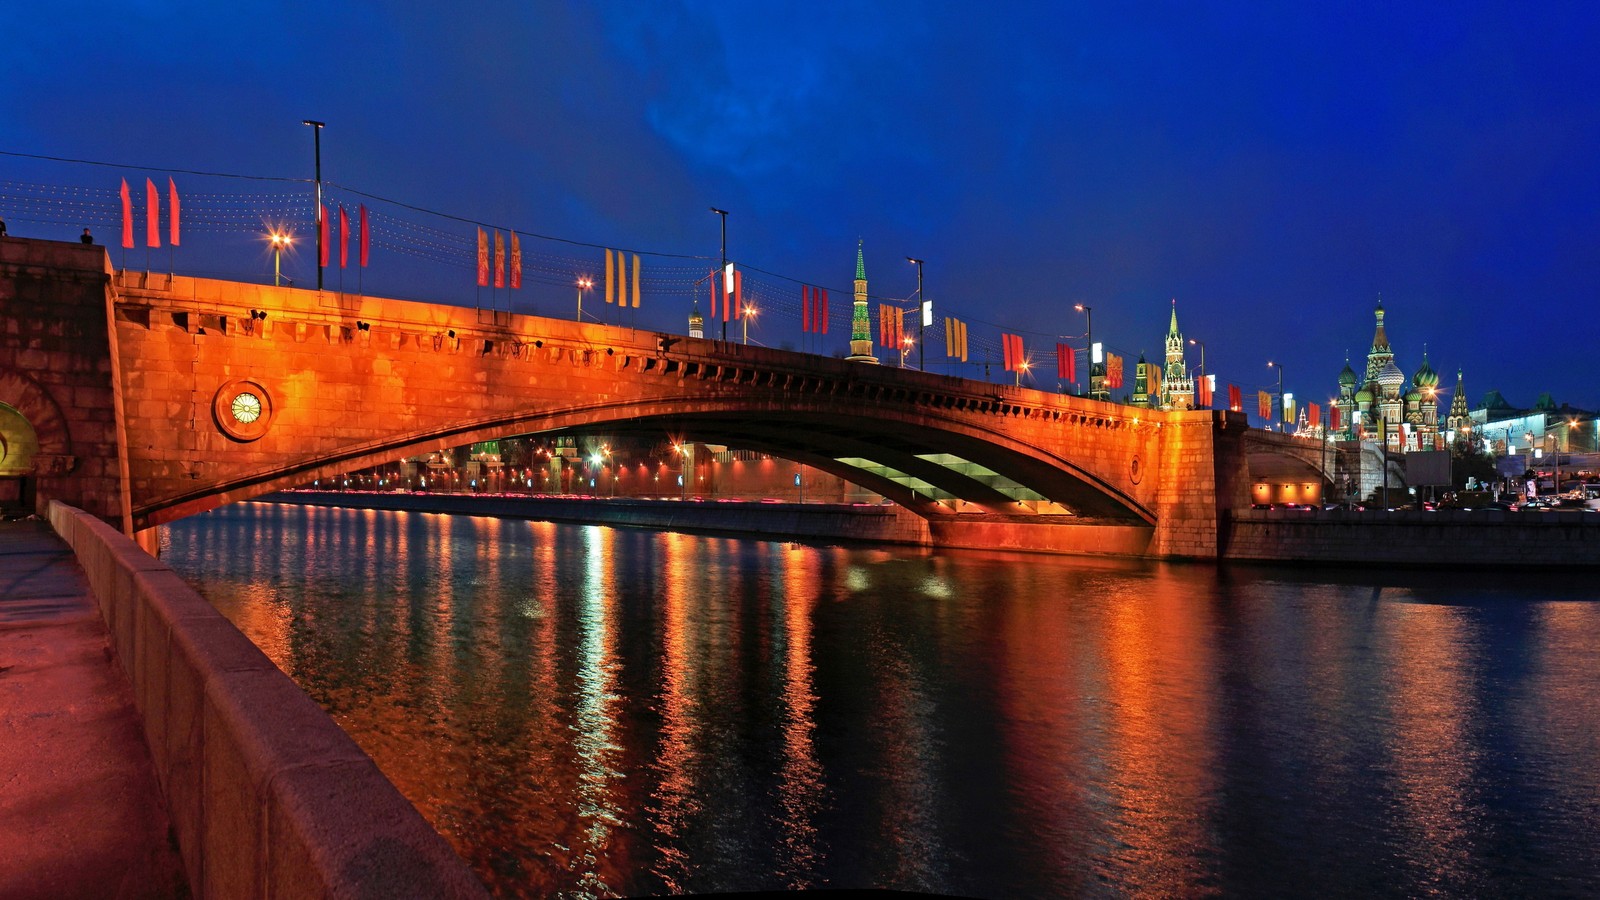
[[58, 368], [1466, 538]]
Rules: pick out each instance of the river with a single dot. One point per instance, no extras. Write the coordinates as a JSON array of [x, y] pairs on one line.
[[590, 711]]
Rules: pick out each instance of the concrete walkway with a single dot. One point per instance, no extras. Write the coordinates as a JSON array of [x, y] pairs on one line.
[[80, 812]]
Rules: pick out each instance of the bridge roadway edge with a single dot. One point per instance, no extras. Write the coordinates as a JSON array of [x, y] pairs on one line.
[[268, 797]]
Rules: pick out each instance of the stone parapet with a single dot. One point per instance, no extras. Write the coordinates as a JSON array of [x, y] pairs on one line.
[[1458, 538], [267, 796]]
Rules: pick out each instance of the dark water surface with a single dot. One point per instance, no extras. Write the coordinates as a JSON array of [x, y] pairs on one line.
[[587, 711]]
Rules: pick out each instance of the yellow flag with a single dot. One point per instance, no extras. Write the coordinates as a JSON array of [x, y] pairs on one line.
[[611, 284], [636, 281]]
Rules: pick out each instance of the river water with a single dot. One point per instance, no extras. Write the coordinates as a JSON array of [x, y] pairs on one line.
[[589, 711]]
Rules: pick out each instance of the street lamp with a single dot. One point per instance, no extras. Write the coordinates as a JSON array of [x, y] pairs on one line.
[[1202, 346], [584, 284], [1088, 313], [925, 312], [316, 131], [745, 314], [1279, 367], [720, 272], [279, 240]]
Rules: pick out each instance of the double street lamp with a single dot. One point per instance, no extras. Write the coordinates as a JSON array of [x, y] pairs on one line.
[[280, 240], [583, 285]]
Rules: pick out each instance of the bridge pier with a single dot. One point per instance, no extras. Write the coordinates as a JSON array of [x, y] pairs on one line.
[[61, 412]]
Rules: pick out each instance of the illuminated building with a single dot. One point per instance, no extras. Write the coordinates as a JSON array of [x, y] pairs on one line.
[[1383, 407]]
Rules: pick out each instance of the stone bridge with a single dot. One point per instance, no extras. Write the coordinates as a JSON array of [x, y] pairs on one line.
[[145, 398]]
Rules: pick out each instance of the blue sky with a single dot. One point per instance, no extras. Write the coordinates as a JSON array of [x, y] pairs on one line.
[[1272, 168]]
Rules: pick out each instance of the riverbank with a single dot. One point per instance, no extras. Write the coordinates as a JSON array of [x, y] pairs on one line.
[[1455, 538], [1493, 539]]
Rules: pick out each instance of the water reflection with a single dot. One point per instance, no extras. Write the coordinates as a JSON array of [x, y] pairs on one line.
[[588, 712]]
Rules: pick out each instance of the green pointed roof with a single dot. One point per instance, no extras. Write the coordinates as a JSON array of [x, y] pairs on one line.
[[861, 263], [1173, 328], [1347, 378], [1426, 377]]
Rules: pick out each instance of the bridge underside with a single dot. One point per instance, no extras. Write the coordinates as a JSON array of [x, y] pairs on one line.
[[935, 472]]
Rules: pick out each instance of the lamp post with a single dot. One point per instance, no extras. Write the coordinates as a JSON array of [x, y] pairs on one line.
[[1088, 314], [583, 285], [1285, 412], [745, 313], [280, 240], [722, 272], [316, 132], [1202, 346], [922, 318]]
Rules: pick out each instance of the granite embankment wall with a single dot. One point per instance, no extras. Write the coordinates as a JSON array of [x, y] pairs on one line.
[[268, 797], [1468, 538], [820, 521], [852, 523]]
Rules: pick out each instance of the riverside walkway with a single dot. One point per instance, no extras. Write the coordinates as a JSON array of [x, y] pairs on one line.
[[80, 811]]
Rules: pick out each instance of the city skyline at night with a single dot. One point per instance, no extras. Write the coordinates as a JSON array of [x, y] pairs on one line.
[[1274, 172]]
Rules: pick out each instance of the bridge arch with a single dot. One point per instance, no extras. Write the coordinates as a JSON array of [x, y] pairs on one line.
[[931, 463]]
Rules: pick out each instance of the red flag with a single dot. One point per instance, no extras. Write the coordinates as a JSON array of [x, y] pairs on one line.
[[516, 263], [1006, 358], [824, 312], [738, 297], [172, 201], [1313, 415], [344, 238], [364, 236], [152, 215], [483, 259], [1202, 392], [499, 259], [713, 279], [127, 216], [1113, 371], [1333, 417], [1065, 363], [322, 232], [1235, 398]]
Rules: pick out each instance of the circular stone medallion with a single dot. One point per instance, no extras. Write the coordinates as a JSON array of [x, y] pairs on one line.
[[243, 409]]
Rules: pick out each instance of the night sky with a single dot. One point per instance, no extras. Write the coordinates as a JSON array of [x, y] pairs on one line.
[[1273, 167]]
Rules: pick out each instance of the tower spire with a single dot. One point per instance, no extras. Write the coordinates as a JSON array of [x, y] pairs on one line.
[[860, 324]]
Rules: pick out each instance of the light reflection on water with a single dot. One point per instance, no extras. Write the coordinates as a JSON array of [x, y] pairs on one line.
[[585, 711]]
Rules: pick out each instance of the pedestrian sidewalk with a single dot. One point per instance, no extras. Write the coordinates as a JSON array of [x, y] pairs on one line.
[[80, 811]]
